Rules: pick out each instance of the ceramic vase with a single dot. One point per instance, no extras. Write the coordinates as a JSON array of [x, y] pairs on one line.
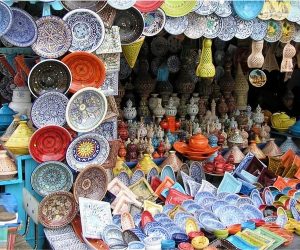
[[256, 58], [192, 109], [288, 53], [159, 111], [143, 109], [21, 101], [258, 116], [170, 109], [176, 99], [8, 169], [241, 88], [129, 112], [152, 102], [271, 149], [252, 148]]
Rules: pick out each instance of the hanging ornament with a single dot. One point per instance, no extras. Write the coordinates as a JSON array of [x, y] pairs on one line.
[[256, 58], [206, 69], [288, 53], [132, 50], [270, 62]]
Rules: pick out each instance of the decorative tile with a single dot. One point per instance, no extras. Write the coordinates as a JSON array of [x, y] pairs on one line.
[[111, 42], [108, 129], [110, 86], [112, 61]]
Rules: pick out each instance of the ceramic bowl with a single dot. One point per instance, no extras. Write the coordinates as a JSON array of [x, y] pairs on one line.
[[248, 225], [136, 245], [221, 233], [233, 229]]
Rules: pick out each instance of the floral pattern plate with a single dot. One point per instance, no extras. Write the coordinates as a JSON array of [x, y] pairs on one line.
[[259, 29], [154, 22], [87, 30], [57, 210], [121, 4], [229, 28], [227, 218], [251, 212], [274, 31], [224, 9], [49, 75], [86, 109], [207, 7], [95, 6], [87, 149], [202, 195], [159, 232], [49, 109], [23, 30], [212, 225], [176, 25], [54, 37], [5, 18], [244, 28], [213, 26], [193, 31], [288, 30]]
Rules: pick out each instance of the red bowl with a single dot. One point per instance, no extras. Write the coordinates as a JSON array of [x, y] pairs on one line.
[[233, 229], [192, 235]]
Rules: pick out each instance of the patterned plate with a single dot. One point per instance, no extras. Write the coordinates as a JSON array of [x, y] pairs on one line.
[[87, 149], [193, 30], [207, 7], [176, 25], [121, 4], [131, 23], [159, 232], [251, 212], [87, 70], [231, 215], [231, 198], [148, 6], [294, 15], [212, 225], [87, 30], [178, 8], [23, 31], [288, 31], [49, 75], [49, 143], [154, 22], [57, 210], [259, 29], [218, 206], [90, 5], [86, 109], [200, 196], [248, 10], [229, 28], [244, 28], [50, 177], [54, 37], [274, 31], [213, 26], [296, 36], [5, 18], [49, 109], [224, 9], [257, 78], [198, 4]]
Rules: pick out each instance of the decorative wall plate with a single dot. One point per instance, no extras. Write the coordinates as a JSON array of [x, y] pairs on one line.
[[193, 29], [87, 30], [259, 29], [244, 28], [49, 109], [213, 26], [87, 149], [207, 7], [95, 6], [111, 42], [147, 6], [54, 37], [49, 75], [5, 18], [121, 4], [86, 109], [229, 28], [91, 183], [176, 25], [257, 78], [248, 10], [178, 8], [23, 30], [131, 23], [274, 31], [108, 129], [224, 9], [288, 30], [296, 36], [57, 210], [50, 177], [226, 215], [294, 14], [87, 70], [154, 22], [95, 216]]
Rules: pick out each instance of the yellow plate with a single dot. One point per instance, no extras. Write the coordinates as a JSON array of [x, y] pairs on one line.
[[191, 226], [177, 8]]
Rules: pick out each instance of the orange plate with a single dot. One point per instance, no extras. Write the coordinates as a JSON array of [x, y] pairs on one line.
[[76, 224], [87, 70]]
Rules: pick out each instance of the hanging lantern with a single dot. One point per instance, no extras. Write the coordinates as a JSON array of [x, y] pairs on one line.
[[206, 69]]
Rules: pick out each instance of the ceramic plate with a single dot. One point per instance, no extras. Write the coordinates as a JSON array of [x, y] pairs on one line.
[[165, 221], [121, 4], [50, 177], [193, 30], [160, 216], [186, 203], [244, 201], [86, 109], [206, 215], [231, 198], [159, 232], [176, 25], [49, 109], [207, 7], [137, 175], [178, 8], [200, 196], [192, 208], [257, 78], [150, 225], [288, 30], [154, 22], [54, 37], [57, 210], [124, 177], [296, 36], [212, 225], [221, 196], [167, 208], [218, 206], [49, 75], [259, 29], [248, 10], [167, 171], [229, 28], [213, 26], [294, 15], [87, 149], [196, 171], [112, 234], [251, 212], [244, 28], [227, 218], [224, 9], [5, 18], [131, 23], [87, 30], [49, 143], [23, 30], [148, 6], [255, 197], [95, 6], [91, 183], [274, 31], [87, 70]]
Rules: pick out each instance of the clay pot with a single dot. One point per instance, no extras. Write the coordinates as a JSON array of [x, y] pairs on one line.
[[8, 169]]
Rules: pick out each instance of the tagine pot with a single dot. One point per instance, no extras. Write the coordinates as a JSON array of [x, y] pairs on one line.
[[173, 161], [252, 148], [237, 154], [198, 142], [271, 149], [8, 169], [146, 164]]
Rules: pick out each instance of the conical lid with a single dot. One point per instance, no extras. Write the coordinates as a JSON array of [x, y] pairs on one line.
[[132, 50], [173, 161], [241, 84], [271, 149], [237, 154], [6, 110], [11, 128], [6, 164]]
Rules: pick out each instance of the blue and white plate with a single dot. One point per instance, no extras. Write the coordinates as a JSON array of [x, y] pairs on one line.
[[112, 234], [231, 215], [6, 17], [137, 175], [175, 229], [198, 212], [197, 172], [251, 212], [212, 225], [244, 200], [224, 9], [23, 31], [150, 225], [139, 233], [153, 172], [268, 197], [167, 208], [186, 203], [154, 22], [159, 232], [259, 29], [192, 208], [257, 200], [176, 25], [229, 28], [218, 205], [231, 198], [167, 171], [207, 202], [221, 195], [244, 28], [160, 216], [200, 196], [179, 215], [137, 219], [213, 26], [181, 222], [207, 7], [165, 221], [124, 177], [207, 215], [117, 220]]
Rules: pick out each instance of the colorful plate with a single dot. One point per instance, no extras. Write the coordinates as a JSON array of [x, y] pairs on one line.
[[147, 6], [177, 8], [23, 31], [121, 4], [154, 22], [257, 78], [213, 26], [86, 109], [251, 212], [207, 7], [259, 29], [87, 70], [49, 109], [49, 75], [274, 31], [248, 10], [87, 149], [50, 177], [227, 218], [57, 210], [49, 143], [176, 25], [87, 30], [288, 31], [193, 30], [54, 37], [5, 18], [95, 6]]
